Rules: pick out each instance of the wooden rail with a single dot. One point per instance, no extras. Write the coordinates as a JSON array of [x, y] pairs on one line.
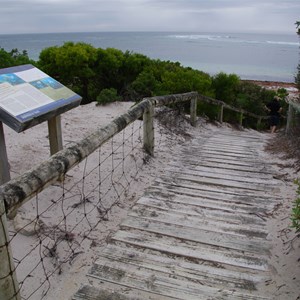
[[229, 107], [16, 192]]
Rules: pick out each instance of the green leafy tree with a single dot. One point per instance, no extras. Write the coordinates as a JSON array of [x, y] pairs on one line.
[[118, 70], [143, 86], [252, 97], [184, 80], [72, 64], [14, 58], [107, 68], [5, 59], [107, 96], [133, 65], [225, 87]]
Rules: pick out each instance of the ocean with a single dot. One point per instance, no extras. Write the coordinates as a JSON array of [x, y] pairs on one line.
[[270, 57]]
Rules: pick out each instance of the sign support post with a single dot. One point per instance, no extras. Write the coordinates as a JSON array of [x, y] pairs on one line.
[[55, 135], [4, 165]]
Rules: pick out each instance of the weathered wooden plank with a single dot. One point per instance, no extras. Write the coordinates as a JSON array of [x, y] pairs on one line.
[[232, 148], [159, 284], [183, 219], [223, 182], [211, 194], [91, 293], [221, 165], [233, 206], [191, 250], [163, 181], [217, 200], [231, 217], [249, 157], [227, 148], [225, 160], [229, 241], [206, 274], [215, 185], [216, 169], [111, 291], [212, 173], [219, 159]]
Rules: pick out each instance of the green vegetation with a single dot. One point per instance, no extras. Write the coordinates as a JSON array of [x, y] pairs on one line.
[[107, 96], [91, 72], [14, 58], [296, 210]]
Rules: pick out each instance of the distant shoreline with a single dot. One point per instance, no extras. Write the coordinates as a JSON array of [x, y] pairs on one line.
[[271, 83], [291, 87]]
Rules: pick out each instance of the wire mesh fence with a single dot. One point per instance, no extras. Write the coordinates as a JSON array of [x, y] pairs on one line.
[[62, 222]]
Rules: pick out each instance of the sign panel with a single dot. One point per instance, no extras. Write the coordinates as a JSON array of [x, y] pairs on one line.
[[28, 97]]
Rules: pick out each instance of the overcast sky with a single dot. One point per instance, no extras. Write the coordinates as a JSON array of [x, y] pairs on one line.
[[32, 16]]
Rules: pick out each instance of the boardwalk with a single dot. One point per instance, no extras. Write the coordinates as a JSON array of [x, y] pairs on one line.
[[199, 232]]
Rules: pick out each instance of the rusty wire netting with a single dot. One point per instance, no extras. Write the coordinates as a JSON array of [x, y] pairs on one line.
[[67, 221]]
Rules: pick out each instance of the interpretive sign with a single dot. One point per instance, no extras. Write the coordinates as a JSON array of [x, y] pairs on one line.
[[28, 97]]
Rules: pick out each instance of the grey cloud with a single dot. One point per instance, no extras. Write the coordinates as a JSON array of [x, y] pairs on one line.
[[18, 16]]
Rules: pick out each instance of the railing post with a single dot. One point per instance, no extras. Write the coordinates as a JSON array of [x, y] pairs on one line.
[[258, 123], [241, 119], [221, 113], [148, 129], [9, 287], [193, 111], [289, 119]]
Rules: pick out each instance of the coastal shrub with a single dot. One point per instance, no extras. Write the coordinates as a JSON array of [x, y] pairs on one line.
[[184, 80], [225, 87], [296, 210], [252, 97], [107, 69], [208, 110], [107, 96], [133, 65], [14, 58], [143, 86], [72, 64], [116, 69]]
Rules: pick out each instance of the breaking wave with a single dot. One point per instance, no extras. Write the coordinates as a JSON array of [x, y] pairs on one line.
[[229, 38]]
